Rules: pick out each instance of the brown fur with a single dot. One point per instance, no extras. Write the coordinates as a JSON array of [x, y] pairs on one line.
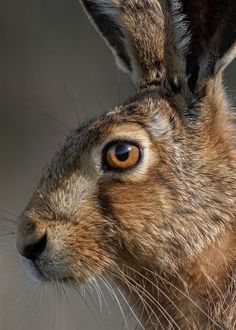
[[165, 230]]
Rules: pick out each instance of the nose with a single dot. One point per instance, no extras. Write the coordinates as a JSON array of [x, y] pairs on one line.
[[34, 250], [31, 238]]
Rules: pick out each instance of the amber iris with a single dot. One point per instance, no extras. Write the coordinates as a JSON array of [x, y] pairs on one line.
[[122, 156]]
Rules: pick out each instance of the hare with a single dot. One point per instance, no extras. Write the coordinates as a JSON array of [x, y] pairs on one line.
[[146, 193]]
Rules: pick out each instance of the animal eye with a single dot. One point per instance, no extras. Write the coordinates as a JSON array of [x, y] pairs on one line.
[[122, 156]]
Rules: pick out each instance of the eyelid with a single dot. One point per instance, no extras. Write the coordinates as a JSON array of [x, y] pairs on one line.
[[121, 140]]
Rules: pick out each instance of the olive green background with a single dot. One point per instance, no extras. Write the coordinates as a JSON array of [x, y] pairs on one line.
[[54, 72]]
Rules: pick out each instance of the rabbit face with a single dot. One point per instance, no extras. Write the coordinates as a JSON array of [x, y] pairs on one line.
[[95, 213], [120, 189]]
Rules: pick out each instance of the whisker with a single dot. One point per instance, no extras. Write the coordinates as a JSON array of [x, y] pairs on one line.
[[5, 212], [17, 300], [6, 244], [104, 298], [52, 309], [161, 291], [18, 271], [7, 230], [131, 309], [144, 302], [95, 286], [6, 223], [33, 304], [91, 299], [53, 119], [113, 294], [6, 234], [137, 286], [152, 300], [87, 305], [68, 303], [81, 103], [101, 278], [69, 87], [188, 297], [9, 289], [119, 86]]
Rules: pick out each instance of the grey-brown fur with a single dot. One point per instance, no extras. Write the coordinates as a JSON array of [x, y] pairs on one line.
[[165, 230]]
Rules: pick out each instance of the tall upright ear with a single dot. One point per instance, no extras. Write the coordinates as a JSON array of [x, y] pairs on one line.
[[134, 29], [212, 26]]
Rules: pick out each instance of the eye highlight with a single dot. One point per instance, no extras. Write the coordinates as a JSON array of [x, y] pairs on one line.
[[121, 155]]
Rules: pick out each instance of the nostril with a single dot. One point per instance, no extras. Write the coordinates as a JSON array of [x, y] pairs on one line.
[[33, 251], [30, 227]]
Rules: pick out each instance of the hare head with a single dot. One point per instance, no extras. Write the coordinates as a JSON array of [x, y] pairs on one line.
[[146, 193]]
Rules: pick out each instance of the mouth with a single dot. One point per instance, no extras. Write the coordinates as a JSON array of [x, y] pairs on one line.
[[36, 274], [32, 270]]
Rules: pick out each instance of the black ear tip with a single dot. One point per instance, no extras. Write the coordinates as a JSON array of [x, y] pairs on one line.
[[212, 27]]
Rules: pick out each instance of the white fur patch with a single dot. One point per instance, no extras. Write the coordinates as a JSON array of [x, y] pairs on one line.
[[31, 270]]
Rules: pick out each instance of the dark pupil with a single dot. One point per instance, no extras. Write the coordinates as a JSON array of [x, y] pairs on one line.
[[122, 152]]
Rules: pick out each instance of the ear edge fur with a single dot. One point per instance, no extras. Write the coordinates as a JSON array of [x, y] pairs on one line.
[[117, 46]]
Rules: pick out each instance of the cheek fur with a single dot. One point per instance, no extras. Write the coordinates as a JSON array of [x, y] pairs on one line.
[[141, 226], [83, 248]]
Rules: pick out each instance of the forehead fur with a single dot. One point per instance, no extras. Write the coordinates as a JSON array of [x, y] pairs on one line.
[[152, 114]]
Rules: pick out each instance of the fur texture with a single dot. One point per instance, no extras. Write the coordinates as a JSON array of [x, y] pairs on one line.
[[164, 230]]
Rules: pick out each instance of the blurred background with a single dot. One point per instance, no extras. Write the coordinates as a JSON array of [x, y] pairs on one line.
[[55, 71]]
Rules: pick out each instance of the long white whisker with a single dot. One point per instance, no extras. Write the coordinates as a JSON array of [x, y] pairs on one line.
[[33, 306], [151, 299], [189, 298], [162, 292], [103, 296], [131, 309], [141, 289], [85, 302], [95, 286], [113, 294]]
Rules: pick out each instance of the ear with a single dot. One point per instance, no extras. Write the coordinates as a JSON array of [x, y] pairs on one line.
[[212, 27], [134, 29]]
